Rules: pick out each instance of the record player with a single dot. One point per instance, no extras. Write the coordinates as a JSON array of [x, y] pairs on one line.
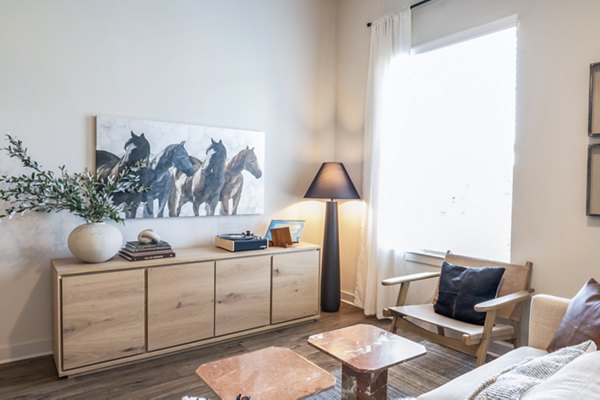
[[240, 241]]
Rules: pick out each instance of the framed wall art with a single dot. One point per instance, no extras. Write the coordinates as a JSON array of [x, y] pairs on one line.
[[191, 170], [594, 101], [593, 181]]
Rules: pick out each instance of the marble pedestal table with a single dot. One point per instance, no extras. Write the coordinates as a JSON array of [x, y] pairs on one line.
[[272, 373], [366, 353]]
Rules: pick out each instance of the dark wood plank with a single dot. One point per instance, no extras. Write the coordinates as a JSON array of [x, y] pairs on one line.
[[172, 376]]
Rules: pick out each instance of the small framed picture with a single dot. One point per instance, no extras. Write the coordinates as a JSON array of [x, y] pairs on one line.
[[296, 228], [594, 101], [593, 181]]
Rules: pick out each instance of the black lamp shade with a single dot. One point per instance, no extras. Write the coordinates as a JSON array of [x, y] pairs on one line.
[[332, 182]]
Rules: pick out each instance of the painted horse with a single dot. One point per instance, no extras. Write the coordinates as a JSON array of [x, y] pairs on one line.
[[234, 180], [160, 177], [181, 188], [208, 181], [108, 165], [104, 159]]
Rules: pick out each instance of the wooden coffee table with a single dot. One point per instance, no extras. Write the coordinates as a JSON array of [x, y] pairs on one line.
[[366, 353], [272, 373]]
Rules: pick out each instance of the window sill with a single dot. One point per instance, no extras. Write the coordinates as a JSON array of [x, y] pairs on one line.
[[427, 257]]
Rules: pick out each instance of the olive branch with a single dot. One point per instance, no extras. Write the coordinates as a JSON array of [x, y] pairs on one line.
[[78, 193]]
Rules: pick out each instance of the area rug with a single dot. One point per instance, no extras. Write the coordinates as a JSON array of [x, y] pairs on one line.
[[417, 376]]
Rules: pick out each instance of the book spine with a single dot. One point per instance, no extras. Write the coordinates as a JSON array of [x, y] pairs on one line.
[[144, 249], [149, 257], [138, 245], [145, 253]]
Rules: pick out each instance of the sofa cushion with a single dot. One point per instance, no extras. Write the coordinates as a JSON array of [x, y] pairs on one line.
[[518, 379], [460, 387], [582, 319], [461, 288], [577, 380]]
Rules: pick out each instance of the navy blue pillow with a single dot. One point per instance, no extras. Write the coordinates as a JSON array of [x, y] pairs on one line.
[[461, 288]]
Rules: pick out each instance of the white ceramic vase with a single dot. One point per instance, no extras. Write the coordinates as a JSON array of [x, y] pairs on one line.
[[95, 242]]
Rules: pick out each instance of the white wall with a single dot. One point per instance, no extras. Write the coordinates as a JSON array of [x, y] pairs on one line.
[[275, 65], [264, 65], [558, 39]]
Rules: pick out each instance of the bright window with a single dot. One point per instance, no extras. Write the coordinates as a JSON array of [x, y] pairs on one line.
[[447, 165]]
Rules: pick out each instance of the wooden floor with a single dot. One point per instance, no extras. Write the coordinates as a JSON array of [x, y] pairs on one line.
[[172, 377]]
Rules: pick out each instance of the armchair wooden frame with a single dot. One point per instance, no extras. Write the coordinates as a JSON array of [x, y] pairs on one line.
[[513, 291]]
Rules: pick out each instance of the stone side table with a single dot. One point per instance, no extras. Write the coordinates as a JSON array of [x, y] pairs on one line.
[[272, 373], [366, 353]]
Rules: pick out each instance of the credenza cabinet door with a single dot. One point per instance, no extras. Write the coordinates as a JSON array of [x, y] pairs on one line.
[[295, 286], [180, 304], [102, 317], [243, 287]]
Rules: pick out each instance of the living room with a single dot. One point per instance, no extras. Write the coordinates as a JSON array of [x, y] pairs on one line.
[[298, 71]]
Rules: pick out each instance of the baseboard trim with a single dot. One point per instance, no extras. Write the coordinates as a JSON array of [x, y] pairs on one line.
[[23, 351], [347, 297], [349, 302]]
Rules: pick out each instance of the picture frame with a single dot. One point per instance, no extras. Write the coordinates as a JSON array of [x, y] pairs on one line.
[[296, 228], [184, 167], [594, 101], [593, 181]]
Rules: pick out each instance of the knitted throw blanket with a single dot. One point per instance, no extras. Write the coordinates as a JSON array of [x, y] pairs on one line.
[[513, 382]]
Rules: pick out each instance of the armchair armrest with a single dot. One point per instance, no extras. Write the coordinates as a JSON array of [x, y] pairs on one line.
[[409, 278], [500, 302]]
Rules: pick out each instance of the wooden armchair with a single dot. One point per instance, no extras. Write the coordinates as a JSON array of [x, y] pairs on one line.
[[475, 339]]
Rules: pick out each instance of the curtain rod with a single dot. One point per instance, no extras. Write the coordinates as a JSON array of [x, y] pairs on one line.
[[420, 3]]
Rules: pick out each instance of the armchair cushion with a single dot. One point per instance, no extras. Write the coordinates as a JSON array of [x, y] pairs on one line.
[[461, 288], [582, 319], [425, 313]]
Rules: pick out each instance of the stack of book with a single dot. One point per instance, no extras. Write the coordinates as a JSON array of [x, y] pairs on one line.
[[136, 251]]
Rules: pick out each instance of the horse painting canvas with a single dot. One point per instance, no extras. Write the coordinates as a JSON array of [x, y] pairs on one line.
[[189, 170]]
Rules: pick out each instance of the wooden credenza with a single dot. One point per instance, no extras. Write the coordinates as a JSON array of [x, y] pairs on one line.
[[116, 312]]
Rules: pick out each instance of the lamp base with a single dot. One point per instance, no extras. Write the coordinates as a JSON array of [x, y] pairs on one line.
[[330, 271]]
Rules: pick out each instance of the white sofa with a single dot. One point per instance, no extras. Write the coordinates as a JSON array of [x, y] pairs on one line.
[[546, 314]]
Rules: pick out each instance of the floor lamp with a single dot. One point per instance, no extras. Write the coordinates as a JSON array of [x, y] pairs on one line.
[[331, 182]]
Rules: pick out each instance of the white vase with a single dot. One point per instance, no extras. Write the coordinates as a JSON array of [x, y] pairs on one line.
[[95, 242]]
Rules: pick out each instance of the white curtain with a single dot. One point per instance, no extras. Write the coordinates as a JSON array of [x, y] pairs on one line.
[[390, 43]]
